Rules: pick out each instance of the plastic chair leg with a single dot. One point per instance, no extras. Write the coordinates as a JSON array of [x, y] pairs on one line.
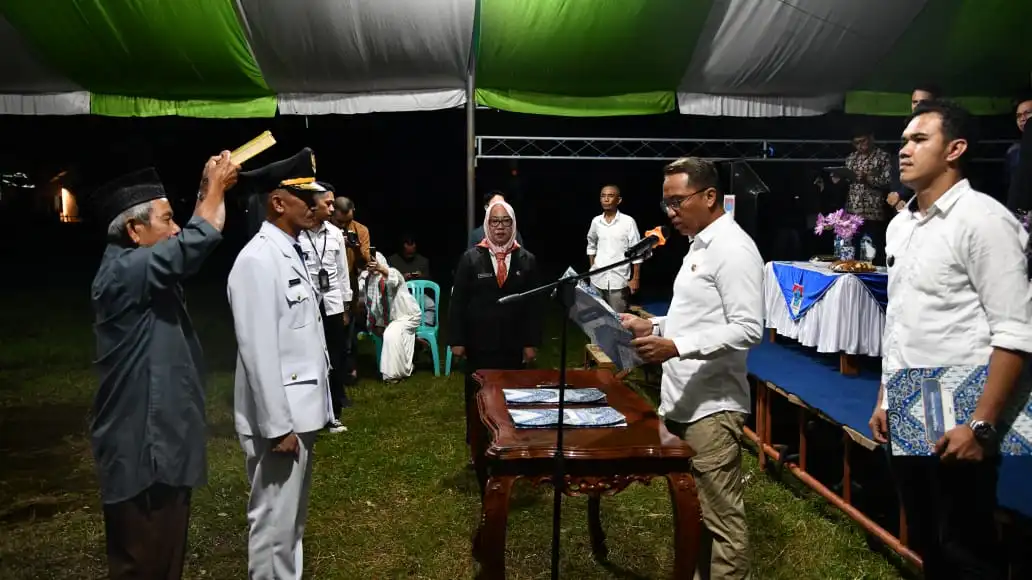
[[436, 356], [447, 363]]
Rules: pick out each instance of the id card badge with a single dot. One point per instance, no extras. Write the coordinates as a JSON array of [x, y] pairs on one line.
[[324, 280]]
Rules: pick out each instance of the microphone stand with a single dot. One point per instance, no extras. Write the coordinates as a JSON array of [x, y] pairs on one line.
[[565, 293]]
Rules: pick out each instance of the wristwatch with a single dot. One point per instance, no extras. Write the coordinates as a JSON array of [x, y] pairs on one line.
[[984, 432]]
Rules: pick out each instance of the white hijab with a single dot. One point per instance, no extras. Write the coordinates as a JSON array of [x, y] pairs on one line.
[[509, 245]]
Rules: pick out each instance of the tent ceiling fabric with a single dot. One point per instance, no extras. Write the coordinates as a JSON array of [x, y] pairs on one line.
[[358, 46], [967, 47], [793, 57], [614, 54], [21, 68], [794, 48], [357, 56], [242, 58], [156, 48]]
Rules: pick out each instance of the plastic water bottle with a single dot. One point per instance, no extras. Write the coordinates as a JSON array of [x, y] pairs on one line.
[[867, 249]]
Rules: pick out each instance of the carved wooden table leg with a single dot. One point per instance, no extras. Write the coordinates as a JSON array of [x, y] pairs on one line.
[[687, 524], [597, 534], [489, 545]]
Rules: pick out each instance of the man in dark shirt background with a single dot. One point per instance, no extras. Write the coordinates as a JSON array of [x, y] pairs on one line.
[[415, 266], [1019, 159], [411, 264]]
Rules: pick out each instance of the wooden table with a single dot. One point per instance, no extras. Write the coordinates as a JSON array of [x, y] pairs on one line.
[[598, 462]]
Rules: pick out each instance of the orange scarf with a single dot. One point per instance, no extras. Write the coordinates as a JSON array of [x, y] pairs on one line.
[[503, 273]]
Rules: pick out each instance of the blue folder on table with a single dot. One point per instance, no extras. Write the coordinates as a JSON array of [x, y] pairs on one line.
[[924, 403]]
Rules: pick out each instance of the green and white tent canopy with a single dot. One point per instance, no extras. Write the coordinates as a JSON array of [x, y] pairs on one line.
[[250, 58]]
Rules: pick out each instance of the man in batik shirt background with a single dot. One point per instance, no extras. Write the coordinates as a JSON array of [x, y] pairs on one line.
[[869, 188]]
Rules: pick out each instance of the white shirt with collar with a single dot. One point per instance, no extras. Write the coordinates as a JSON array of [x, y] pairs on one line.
[[324, 247], [608, 241], [958, 284], [715, 317]]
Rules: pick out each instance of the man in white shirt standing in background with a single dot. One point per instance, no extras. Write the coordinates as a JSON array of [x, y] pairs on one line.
[[715, 317], [327, 262], [959, 295], [610, 235]]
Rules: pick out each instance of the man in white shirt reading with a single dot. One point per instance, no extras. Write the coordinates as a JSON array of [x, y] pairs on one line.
[[326, 258], [959, 295], [609, 236], [715, 317]]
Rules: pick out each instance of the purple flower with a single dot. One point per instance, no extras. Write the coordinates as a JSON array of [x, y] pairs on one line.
[[845, 225]]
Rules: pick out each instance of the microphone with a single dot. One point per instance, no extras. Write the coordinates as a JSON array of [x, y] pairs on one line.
[[654, 238]]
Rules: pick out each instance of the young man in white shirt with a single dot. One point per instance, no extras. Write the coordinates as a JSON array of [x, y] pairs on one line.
[[958, 295], [327, 262], [715, 317], [610, 235]]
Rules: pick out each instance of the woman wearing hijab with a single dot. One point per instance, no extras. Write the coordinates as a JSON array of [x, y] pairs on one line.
[[491, 335], [393, 314]]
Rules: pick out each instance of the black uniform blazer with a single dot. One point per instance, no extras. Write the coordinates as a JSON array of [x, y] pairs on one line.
[[476, 320]]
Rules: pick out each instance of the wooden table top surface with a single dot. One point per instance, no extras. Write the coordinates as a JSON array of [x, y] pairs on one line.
[[644, 437]]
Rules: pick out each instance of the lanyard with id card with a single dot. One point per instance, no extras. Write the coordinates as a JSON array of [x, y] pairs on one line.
[[323, 276]]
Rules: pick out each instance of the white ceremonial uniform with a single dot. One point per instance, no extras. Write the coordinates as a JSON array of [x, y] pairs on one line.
[[607, 242], [715, 317], [281, 386], [324, 248], [958, 284]]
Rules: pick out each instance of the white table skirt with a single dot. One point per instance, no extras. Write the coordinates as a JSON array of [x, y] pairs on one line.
[[846, 319]]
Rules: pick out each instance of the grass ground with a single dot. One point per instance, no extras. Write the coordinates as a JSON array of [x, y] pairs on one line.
[[390, 498]]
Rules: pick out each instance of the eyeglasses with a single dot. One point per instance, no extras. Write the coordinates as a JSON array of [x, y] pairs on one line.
[[500, 222], [672, 204]]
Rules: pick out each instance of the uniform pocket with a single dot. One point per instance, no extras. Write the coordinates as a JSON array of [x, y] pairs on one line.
[[300, 310]]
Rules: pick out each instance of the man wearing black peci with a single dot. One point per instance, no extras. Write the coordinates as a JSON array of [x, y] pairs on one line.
[[148, 431]]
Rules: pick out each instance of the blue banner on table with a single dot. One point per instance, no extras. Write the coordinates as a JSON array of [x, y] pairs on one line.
[[802, 288], [924, 403]]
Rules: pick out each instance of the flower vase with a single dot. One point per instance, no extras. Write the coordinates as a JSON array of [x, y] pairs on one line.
[[844, 249]]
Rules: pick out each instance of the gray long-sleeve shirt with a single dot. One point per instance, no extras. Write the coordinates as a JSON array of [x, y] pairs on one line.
[[149, 424]]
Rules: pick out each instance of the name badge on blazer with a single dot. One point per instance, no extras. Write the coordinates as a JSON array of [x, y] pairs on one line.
[[294, 282], [483, 275]]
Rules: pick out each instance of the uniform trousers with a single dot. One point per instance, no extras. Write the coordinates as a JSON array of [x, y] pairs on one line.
[[337, 334], [146, 535], [950, 511], [717, 469], [277, 508], [491, 360]]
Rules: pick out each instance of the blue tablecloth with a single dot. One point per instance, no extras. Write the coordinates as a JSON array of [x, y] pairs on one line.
[[849, 400], [803, 285]]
